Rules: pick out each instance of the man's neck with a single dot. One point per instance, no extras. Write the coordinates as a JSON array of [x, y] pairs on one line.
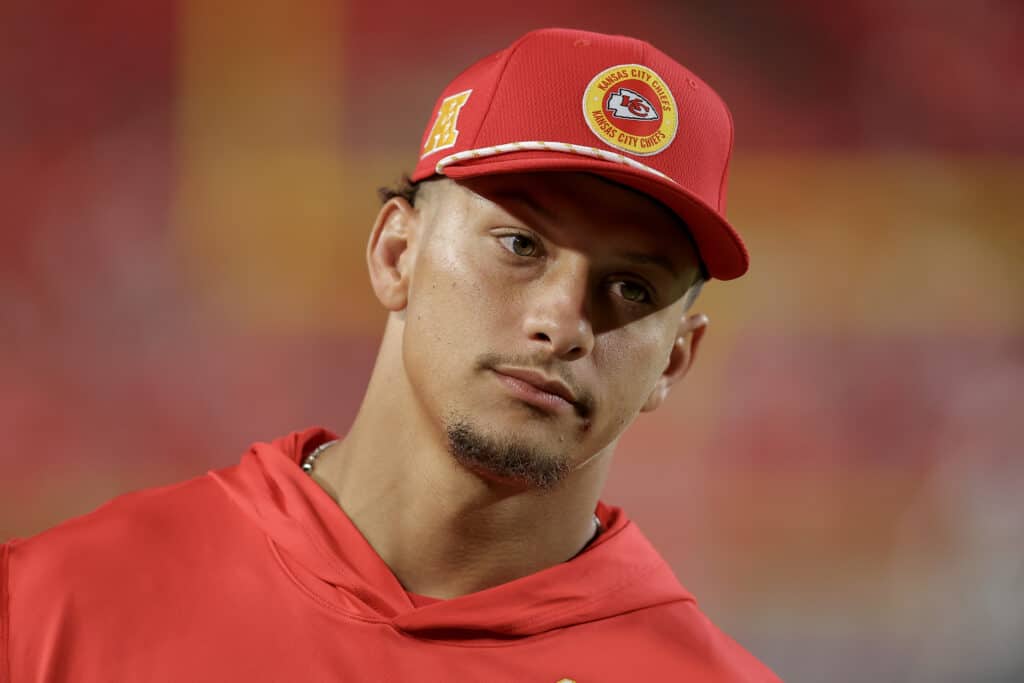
[[443, 530]]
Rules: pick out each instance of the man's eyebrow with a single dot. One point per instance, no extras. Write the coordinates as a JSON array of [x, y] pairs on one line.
[[522, 198], [645, 259]]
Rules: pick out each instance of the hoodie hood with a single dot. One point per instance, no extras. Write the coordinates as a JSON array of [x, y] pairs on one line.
[[620, 572]]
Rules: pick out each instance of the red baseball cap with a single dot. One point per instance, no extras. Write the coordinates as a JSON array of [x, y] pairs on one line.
[[566, 100]]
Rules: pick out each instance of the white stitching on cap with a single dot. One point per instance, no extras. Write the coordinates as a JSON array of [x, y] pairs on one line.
[[537, 145]]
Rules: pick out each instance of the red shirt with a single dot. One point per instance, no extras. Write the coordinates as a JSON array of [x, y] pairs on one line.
[[253, 573]]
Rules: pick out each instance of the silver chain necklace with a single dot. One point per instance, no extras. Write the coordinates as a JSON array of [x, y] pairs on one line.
[[310, 461]]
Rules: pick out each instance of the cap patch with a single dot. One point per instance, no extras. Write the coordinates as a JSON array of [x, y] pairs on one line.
[[629, 107], [445, 132]]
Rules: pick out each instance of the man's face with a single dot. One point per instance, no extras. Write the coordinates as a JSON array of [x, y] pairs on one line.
[[541, 312]]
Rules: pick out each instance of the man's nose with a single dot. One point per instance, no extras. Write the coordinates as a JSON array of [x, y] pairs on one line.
[[558, 318]]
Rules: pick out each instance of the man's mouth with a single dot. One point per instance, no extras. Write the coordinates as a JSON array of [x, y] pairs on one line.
[[537, 389]]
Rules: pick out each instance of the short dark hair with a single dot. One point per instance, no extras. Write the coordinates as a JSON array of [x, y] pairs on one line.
[[407, 189]]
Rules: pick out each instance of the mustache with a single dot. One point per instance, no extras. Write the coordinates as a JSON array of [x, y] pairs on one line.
[[584, 398]]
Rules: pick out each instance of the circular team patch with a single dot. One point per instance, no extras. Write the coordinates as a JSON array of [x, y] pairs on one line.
[[630, 108]]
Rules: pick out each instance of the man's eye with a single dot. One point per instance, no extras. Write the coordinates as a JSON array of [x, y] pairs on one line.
[[520, 245], [632, 292]]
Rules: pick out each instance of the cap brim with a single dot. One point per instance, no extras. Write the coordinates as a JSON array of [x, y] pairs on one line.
[[720, 246]]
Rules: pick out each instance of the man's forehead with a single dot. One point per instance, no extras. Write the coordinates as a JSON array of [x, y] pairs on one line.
[[552, 195]]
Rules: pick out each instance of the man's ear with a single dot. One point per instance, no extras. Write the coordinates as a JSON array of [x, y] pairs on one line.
[[389, 252], [680, 358]]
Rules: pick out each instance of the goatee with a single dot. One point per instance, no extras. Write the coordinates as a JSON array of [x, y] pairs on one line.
[[504, 459]]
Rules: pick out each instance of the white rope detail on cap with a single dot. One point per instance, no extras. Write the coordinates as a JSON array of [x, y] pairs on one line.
[[540, 146]]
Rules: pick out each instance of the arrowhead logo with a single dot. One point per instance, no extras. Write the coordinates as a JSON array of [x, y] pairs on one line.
[[631, 108], [629, 104]]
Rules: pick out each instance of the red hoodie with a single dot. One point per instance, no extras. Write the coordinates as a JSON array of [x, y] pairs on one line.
[[253, 573]]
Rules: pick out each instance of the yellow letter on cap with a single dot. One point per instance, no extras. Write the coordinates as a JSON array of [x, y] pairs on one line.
[[444, 133]]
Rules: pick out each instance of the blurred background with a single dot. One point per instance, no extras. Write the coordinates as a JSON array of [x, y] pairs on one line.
[[186, 189]]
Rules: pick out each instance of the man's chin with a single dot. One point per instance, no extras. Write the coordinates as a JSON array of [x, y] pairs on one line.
[[505, 460]]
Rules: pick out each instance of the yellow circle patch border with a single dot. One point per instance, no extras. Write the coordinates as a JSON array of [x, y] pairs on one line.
[[594, 98]]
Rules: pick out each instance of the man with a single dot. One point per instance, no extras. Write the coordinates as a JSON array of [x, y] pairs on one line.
[[538, 269]]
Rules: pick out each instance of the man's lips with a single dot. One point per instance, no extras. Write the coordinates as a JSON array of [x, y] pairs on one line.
[[540, 381], [538, 389]]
